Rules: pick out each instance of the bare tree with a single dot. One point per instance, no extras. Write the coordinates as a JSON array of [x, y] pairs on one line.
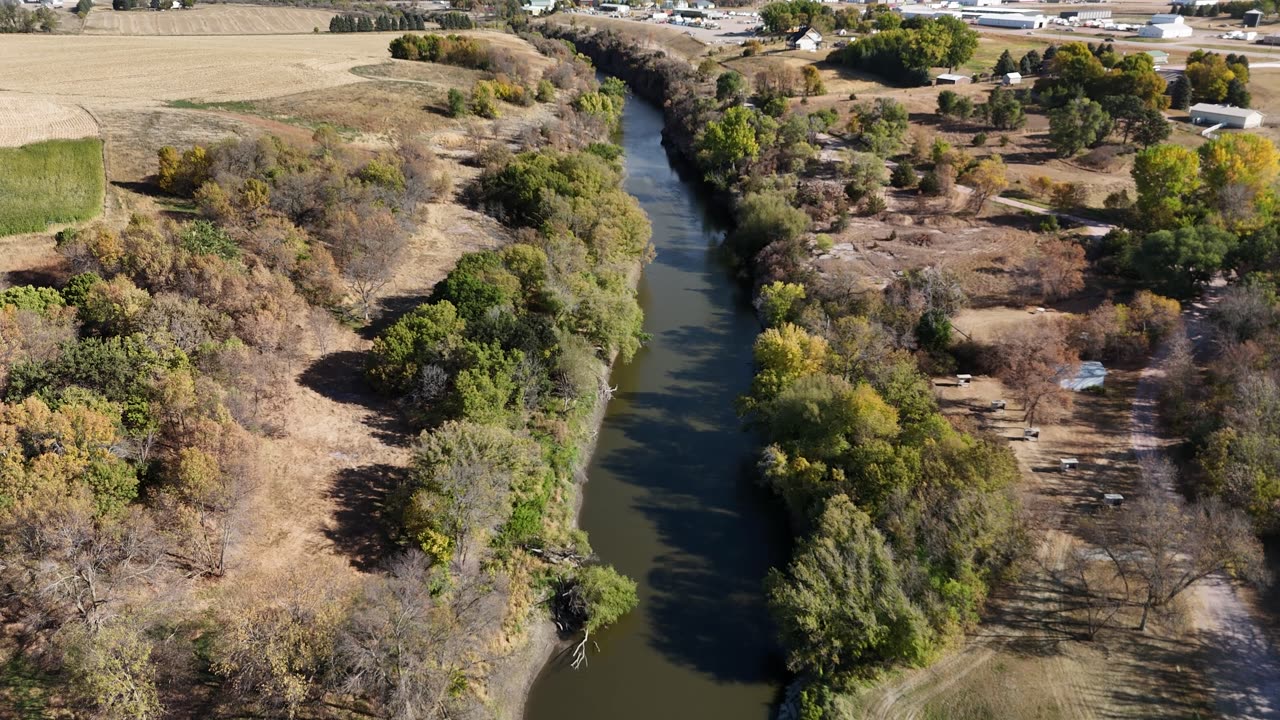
[[407, 650], [1161, 547], [1097, 590], [1032, 361], [1056, 269], [368, 245]]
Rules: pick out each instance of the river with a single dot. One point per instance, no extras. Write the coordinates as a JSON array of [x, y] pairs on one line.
[[670, 501]]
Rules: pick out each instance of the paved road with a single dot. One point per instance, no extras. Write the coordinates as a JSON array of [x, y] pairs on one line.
[[1244, 667]]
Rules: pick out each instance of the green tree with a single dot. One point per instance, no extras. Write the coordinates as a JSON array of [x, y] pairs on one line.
[[1077, 125], [840, 607], [1004, 110], [1177, 262], [765, 217], [1180, 93], [813, 84], [457, 103], [1005, 64], [780, 302], [113, 671], [726, 145], [1237, 94], [903, 176], [83, 7], [783, 355], [1166, 177], [731, 88]]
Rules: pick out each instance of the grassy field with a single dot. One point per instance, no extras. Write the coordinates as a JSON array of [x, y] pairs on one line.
[[50, 182]]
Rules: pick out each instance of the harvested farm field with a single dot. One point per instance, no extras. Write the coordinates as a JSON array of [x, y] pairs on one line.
[[195, 68], [26, 120], [208, 20]]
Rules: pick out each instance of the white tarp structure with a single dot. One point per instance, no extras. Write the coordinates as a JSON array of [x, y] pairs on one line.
[[1090, 374]]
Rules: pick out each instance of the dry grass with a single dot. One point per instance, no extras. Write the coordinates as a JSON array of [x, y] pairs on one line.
[[207, 20], [1028, 658], [104, 70], [651, 35], [25, 120]]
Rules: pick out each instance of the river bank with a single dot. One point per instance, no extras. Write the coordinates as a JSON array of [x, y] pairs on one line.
[[672, 500]]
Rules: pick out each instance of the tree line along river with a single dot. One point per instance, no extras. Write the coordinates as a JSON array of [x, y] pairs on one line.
[[671, 500]]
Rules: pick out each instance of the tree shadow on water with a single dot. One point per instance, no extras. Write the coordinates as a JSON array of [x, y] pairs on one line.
[[719, 531]]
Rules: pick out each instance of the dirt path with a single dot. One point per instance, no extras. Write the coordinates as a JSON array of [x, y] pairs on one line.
[[1243, 667]]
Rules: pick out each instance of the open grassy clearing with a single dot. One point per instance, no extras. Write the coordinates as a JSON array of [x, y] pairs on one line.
[[57, 181], [207, 20]]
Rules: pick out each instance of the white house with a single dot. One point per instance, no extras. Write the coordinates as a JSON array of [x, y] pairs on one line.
[[1166, 18], [1165, 31], [806, 38], [1206, 114], [1012, 78], [615, 8]]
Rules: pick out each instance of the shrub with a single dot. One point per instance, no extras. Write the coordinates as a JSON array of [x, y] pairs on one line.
[[457, 103], [903, 176], [979, 139]]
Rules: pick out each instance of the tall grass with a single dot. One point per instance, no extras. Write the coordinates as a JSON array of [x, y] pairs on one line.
[[58, 181]]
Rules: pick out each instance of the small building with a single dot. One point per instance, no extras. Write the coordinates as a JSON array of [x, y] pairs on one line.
[[1112, 499], [1031, 434], [964, 380], [952, 79], [806, 38], [1012, 78], [1270, 40], [979, 3], [615, 8], [1228, 115], [1082, 15], [1167, 18], [1091, 373], [1068, 464], [1018, 22], [1253, 18], [1193, 3], [998, 405], [1158, 57], [538, 7], [1165, 31]]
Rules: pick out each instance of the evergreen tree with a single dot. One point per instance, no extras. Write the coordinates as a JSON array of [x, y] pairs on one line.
[[364, 24], [1031, 62], [1180, 93], [403, 24], [1049, 52], [1238, 94], [333, 24], [1005, 64]]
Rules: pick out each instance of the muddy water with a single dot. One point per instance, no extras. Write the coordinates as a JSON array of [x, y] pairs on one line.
[[671, 501]]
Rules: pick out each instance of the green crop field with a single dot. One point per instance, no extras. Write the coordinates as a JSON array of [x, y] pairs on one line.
[[50, 182]]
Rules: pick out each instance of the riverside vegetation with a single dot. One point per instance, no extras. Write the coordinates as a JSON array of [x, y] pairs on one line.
[[906, 519], [137, 396]]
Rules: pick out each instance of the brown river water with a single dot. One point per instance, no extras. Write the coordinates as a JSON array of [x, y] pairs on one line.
[[671, 500]]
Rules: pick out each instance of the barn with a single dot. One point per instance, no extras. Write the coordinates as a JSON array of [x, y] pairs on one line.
[[1207, 114], [952, 79], [1165, 31]]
